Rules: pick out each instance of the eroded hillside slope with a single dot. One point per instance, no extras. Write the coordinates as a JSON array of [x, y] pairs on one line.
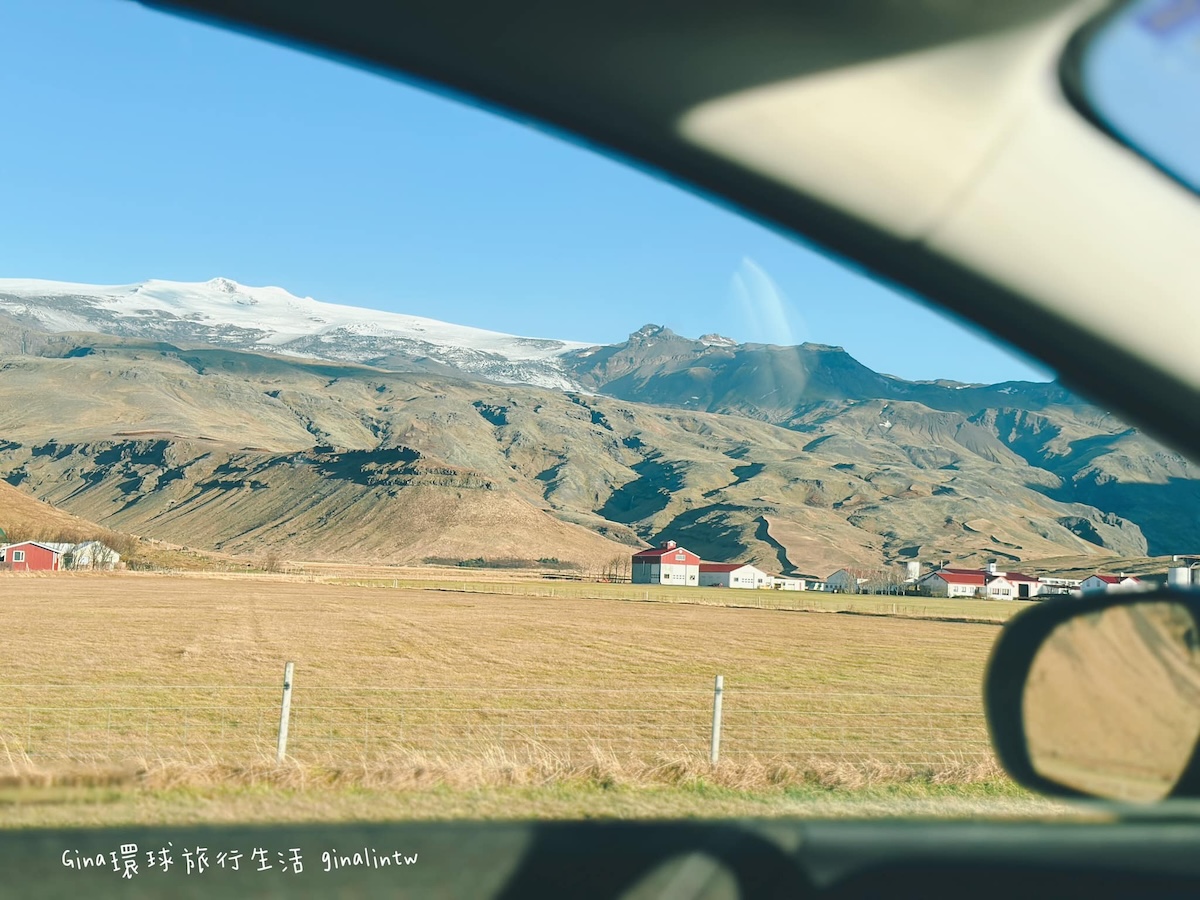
[[244, 451]]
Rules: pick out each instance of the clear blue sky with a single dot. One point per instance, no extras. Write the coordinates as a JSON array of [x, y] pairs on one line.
[[137, 145]]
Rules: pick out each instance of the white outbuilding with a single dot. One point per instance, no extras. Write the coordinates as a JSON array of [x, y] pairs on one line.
[[1096, 583], [87, 555], [733, 575]]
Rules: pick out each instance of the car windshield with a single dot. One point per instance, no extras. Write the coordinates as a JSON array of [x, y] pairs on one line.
[[367, 455]]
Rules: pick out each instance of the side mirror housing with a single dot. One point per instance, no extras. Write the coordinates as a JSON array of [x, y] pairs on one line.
[[1099, 696]]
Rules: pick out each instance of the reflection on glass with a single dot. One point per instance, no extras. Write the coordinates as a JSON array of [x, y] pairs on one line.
[[1112, 702], [1140, 74]]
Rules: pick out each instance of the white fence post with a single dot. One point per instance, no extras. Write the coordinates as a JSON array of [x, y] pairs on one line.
[[714, 752], [285, 712]]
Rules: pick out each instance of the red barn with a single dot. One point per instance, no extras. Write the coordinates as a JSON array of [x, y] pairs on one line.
[[666, 564], [30, 556]]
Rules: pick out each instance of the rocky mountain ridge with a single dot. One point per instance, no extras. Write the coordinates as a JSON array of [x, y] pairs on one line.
[[800, 459]]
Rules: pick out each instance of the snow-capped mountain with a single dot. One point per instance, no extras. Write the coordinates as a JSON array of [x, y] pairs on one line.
[[229, 314]]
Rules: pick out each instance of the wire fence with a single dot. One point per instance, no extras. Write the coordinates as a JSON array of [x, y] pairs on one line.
[[239, 723]]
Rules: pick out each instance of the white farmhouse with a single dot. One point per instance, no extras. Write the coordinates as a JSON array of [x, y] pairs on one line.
[[953, 583], [998, 587], [1096, 583], [986, 583], [1024, 587]]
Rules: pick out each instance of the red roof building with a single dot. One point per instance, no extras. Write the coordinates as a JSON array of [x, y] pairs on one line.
[[30, 556], [991, 583], [668, 563], [972, 583]]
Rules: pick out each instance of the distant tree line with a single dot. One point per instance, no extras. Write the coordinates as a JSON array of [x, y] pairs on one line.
[[617, 570], [502, 562]]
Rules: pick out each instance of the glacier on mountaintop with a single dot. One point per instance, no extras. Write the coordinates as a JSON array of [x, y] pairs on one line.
[[229, 314]]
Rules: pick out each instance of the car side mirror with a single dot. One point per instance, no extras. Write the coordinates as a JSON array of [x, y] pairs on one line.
[[1099, 696]]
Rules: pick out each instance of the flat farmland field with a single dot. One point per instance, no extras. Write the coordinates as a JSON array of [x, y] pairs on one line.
[[157, 698], [956, 609]]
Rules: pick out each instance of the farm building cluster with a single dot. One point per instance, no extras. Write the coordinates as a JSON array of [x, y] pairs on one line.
[[671, 564], [53, 556], [990, 583]]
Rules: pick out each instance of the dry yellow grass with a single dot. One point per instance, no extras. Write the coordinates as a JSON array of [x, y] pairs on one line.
[[213, 805], [492, 582], [173, 683], [534, 583], [496, 767]]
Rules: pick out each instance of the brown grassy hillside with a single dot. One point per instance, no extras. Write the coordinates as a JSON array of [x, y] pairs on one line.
[[24, 517], [247, 453]]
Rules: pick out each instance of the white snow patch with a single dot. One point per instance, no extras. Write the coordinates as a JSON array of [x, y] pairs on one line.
[[270, 318], [279, 313]]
